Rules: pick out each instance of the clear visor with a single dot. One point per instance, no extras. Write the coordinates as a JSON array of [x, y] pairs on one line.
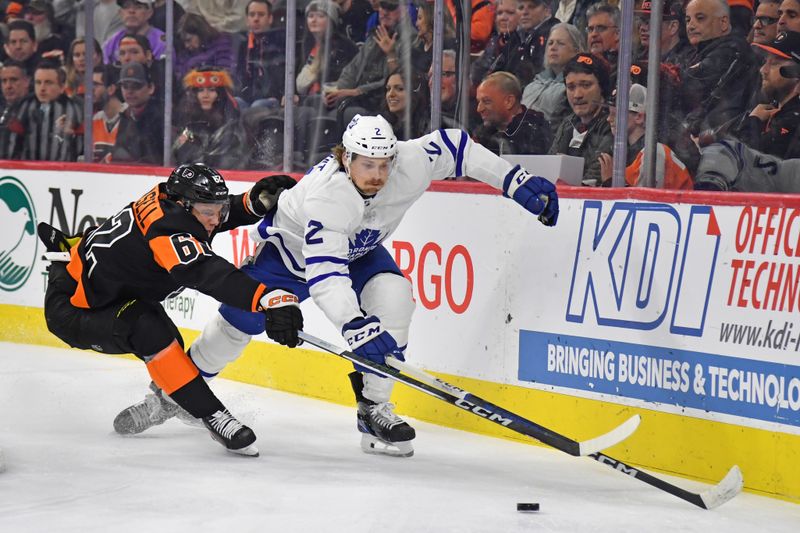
[[209, 210]]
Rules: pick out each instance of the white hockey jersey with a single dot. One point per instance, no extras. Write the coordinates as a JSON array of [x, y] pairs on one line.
[[323, 223]]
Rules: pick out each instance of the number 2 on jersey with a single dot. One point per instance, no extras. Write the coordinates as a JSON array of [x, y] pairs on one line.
[[313, 229]]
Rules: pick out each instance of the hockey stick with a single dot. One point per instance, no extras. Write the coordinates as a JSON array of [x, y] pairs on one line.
[[484, 409], [726, 489]]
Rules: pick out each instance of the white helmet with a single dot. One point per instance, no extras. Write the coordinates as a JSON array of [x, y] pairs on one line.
[[370, 137]]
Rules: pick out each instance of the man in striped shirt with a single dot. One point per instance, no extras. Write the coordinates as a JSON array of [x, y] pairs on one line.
[[51, 122]]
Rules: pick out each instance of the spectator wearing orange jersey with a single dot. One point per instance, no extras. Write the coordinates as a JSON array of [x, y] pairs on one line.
[[670, 172]]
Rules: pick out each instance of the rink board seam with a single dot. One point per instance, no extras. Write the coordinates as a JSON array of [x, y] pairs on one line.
[[679, 445]]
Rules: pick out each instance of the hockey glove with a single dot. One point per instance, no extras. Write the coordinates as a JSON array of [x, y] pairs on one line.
[[367, 338], [535, 194], [283, 316], [264, 194]]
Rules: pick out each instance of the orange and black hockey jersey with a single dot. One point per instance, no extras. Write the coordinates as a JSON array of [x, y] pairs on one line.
[[152, 248]]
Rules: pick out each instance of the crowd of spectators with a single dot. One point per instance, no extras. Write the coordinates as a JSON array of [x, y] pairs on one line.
[[539, 79]]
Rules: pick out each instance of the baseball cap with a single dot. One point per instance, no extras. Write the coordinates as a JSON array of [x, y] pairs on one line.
[[120, 3], [135, 72], [786, 46], [671, 10], [39, 6], [637, 98]]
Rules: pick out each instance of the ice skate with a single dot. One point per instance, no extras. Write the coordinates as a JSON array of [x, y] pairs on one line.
[[154, 410], [235, 436], [383, 432]]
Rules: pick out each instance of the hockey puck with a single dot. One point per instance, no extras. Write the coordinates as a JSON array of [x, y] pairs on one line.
[[527, 507]]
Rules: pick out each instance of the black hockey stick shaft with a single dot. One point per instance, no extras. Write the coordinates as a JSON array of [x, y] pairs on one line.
[[717, 495], [469, 403]]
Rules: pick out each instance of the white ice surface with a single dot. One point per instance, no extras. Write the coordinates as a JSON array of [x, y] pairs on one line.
[[67, 470]]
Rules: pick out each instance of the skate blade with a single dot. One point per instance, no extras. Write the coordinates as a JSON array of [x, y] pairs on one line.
[[247, 451], [375, 446]]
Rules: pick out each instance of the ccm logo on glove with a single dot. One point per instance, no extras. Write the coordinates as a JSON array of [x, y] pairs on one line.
[[359, 337], [278, 298]]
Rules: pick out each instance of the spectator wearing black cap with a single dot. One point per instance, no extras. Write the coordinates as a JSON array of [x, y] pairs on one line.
[[508, 126], [141, 128], [585, 132], [722, 73], [770, 126], [674, 48], [136, 15], [52, 123]]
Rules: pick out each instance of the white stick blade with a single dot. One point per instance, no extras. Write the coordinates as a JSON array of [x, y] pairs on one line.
[[615, 436], [730, 486]]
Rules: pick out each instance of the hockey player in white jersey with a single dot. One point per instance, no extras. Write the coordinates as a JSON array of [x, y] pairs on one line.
[[324, 241]]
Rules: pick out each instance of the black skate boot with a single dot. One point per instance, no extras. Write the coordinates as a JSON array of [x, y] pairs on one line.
[[382, 431], [154, 410], [235, 436]]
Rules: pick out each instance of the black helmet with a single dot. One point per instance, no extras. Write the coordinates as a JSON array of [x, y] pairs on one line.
[[197, 183]]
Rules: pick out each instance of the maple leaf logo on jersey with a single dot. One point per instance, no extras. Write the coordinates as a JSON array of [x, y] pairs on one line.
[[364, 242]]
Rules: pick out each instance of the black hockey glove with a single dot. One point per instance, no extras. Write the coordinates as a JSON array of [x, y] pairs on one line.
[[264, 194], [283, 317]]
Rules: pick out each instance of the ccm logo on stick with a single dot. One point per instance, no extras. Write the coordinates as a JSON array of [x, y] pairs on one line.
[[480, 411], [424, 271]]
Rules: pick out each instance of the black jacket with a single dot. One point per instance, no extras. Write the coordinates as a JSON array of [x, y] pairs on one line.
[[523, 55], [44, 139], [339, 53], [527, 133], [718, 81], [261, 64], [774, 136], [140, 137]]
